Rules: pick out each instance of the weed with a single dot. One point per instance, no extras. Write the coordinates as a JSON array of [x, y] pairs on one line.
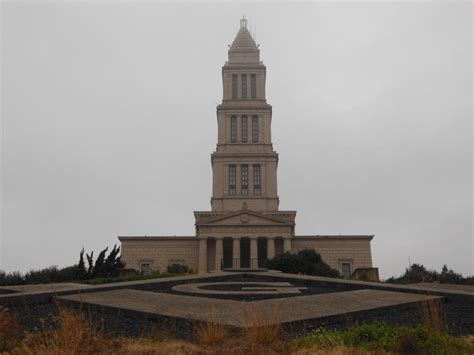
[[263, 328], [210, 334], [10, 331], [433, 315], [72, 334]]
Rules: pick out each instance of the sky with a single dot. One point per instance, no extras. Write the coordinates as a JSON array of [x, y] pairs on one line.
[[108, 120]]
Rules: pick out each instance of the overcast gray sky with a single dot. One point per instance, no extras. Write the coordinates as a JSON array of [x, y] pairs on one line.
[[109, 118]]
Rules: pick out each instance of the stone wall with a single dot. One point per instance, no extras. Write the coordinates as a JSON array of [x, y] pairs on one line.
[[337, 250], [160, 252]]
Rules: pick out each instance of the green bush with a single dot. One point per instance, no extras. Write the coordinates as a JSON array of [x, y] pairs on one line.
[[104, 267], [177, 269], [382, 338], [307, 262], [418, 273]]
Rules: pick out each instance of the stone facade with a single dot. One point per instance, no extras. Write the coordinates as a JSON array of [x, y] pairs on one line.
[[159, 252], [244, 227]]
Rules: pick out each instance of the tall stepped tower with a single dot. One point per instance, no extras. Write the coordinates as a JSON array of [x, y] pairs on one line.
[[244, 191], [244, 163]]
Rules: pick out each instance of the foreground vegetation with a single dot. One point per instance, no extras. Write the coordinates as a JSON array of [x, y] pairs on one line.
[[306, 262], [74, 334], [105, 266], [418, 273]]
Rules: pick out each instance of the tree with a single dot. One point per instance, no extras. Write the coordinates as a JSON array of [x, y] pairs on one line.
[[113, 263], [99, 269], [81, 267], [90, 262], [307, 262]]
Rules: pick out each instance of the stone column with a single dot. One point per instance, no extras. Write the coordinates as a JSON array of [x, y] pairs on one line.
[[219, 253], [202, 265], [253, 252], [286, 245], [270, 247], [236, 253]]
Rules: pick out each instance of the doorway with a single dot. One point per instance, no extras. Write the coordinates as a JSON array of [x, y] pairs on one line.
[[262, 252], [227, 253], [244, 252]]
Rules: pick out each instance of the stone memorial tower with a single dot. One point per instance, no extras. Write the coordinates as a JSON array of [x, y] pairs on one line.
[[244, 187], [244, 227]]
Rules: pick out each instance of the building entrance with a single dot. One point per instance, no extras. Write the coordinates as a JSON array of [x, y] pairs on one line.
[[262, 252], [227, 253], [245, 253]]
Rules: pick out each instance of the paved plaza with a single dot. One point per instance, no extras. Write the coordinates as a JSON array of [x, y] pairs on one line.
[[240, 314], [239, 299]]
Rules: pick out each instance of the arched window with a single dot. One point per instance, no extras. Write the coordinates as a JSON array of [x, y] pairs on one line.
[[233, 129], [254, 129], [244, 86], [234, 86], [253, 86], [243, 129]]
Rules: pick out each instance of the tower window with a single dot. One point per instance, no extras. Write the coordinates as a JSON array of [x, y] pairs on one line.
[[232, 180], [256, 180], [253, 86], [243, 129], [244, 86], [244, 170], [254, 128], [233, 129], [234, 86]]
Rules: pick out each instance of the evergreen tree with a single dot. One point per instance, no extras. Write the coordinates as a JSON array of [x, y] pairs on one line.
[[81, 267]]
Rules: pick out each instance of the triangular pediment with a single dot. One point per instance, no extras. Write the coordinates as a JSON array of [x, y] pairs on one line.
[[245, 218]]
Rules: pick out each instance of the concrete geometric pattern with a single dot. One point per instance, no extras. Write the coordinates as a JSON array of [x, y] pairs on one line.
[[239, 313]]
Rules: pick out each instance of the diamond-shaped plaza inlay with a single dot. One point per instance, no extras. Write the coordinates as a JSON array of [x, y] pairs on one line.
[[230, 298]]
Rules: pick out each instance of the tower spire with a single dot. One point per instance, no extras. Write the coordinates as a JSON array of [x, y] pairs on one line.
[[243, 22]]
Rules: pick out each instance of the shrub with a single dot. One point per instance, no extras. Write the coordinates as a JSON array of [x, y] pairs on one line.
[[418, 273], [177, 269], [104, 267], [307, 262]]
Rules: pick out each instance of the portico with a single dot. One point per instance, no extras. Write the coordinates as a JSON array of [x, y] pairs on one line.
[[220, 253], [243, 239]]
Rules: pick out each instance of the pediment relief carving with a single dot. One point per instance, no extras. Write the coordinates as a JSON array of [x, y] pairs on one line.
[[244, 218]]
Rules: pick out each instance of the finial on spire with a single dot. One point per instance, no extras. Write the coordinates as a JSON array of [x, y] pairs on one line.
[[243, 22]]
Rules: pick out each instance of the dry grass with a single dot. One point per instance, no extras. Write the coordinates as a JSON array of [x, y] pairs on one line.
[[340, 350], [433, 315], [263, 328], [72, 334], [149, 346], [10, 331], [211, 334], [469, 340]]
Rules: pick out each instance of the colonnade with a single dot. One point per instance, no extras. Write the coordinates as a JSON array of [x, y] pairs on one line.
[[219, 251]]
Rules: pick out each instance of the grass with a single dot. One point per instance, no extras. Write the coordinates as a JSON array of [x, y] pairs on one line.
[[384, 338], [73, 333], [433, 316], [263, 329], [211, 334], [10, 331]]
